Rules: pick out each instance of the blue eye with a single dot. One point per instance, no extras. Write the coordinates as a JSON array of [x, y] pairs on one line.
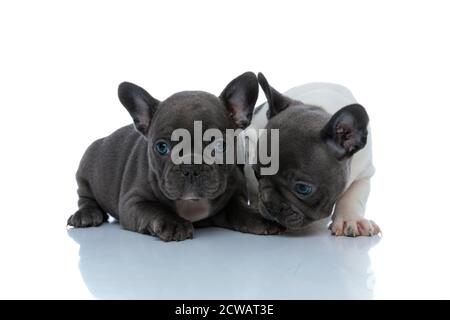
[[303, 189], [162, 148]]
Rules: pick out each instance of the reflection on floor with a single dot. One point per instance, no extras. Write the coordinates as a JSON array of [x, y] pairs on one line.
[[220, 263]]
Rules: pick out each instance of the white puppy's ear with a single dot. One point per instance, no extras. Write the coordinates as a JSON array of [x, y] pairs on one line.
[[240, 97], [139, 103], [346, 131], [277, 101]]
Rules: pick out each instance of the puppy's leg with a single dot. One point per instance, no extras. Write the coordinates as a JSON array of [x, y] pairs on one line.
[[89, 214], [241, 217], [348, 217], [152, 218]]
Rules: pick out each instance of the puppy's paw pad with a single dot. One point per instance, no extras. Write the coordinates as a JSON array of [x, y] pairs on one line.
[[173, 230], [84, 218], [354, 227]]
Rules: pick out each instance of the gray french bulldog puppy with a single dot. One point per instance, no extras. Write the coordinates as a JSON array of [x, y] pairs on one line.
[[130, 174], [325, 158]]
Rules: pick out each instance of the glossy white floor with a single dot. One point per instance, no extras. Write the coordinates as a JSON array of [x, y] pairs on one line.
[[220, 264], [108, 262]]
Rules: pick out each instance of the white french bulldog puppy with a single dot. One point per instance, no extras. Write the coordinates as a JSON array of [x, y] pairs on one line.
[[325, 159]]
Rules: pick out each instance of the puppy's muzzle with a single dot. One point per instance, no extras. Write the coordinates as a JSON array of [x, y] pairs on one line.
[[190, 172]]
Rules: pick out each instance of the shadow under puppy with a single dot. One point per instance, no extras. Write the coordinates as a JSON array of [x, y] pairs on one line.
[[130, 174], [325, 158]]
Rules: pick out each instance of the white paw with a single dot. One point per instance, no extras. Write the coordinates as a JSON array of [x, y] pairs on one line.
[[354, 227]]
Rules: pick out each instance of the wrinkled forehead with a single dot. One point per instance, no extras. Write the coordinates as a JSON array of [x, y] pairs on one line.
[[313, 163], [298, 128], [310, 159], [183, 109], [301, 150]]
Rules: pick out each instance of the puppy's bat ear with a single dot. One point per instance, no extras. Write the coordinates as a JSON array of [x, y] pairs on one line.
[[277, 102], [139, 103], [240, 97], [346, 131]]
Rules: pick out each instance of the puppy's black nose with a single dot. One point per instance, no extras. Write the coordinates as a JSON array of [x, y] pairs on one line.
[[190, 171]]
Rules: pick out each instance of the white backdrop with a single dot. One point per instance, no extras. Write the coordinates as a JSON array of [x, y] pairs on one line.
[[61, 62]]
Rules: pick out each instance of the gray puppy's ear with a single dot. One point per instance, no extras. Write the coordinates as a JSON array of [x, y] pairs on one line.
[[346, 131], [277, 102], [139, 103], [240, 97]]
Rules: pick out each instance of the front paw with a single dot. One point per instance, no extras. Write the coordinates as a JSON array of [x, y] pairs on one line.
[[258, 225], [354, 227], [266, 227], [87, 217], [170, 228]]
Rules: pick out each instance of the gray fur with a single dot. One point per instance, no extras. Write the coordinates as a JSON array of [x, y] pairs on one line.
[[309, 137], [122, 174], [303, 157]]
